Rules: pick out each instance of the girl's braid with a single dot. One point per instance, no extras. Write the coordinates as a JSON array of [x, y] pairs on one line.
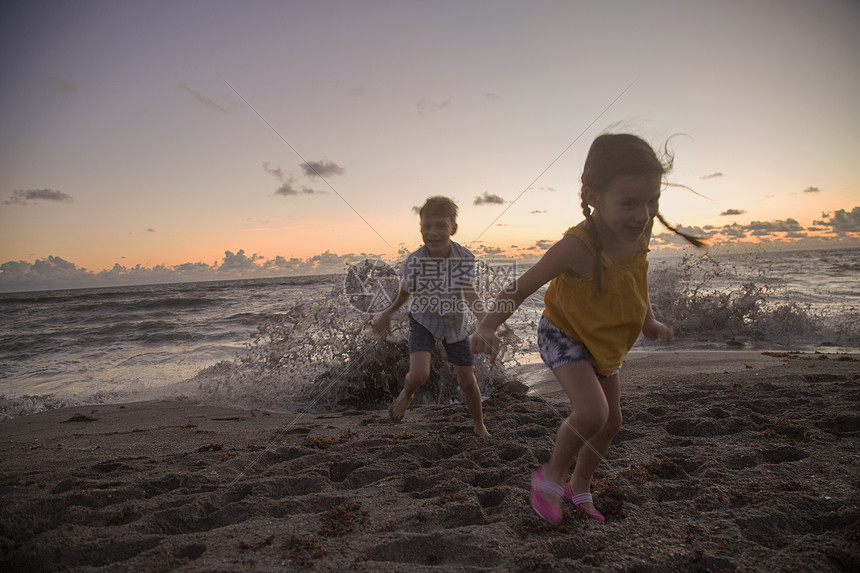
[[598, 246], [695, 241]]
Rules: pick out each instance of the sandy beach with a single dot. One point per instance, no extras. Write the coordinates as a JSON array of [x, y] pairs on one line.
[[727, 461]]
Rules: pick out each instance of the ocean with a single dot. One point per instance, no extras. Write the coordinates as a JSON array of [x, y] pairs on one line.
[[301, 342]]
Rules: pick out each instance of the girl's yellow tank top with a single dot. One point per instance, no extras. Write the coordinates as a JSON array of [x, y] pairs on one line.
[[609, 322]]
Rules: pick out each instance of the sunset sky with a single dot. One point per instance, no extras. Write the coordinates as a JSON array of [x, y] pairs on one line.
[[175, 137]]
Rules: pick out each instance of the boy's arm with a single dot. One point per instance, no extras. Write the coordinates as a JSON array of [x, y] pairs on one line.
[[380, 324]]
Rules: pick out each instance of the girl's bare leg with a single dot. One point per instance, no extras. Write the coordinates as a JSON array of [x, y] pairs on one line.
[[589, 412], [591, 454]]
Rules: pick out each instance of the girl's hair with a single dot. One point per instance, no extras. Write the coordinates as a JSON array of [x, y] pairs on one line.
[[611, 155]]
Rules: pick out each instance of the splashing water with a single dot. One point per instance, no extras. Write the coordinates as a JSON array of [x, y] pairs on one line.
[[319, 356], [709, 298], [300, 342]]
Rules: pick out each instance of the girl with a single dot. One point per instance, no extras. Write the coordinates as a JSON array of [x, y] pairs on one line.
[[596, 306]]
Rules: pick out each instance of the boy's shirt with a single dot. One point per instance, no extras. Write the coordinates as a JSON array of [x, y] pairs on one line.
[[437, 291]]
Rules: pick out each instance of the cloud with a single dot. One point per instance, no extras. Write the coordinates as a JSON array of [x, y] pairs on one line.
[[238, 262], [729, 212], [489, 199], [288, 187], [763, 228], [61, 85], [788, 230], [326, 262], [487, 251], [321, 168], [22, 196], [841, 226], [812, 190], [288, 190], [47, 273], [192, 268], [55, 272], [425, 106], [670, 238], [842, 221], [713, 175], [734, 231], [277, 171], [228, 107]]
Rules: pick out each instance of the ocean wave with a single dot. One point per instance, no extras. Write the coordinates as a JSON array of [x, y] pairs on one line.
[[148, 305], [251, 319], [708, 299], [14, 406], [289, 347], [318, 355]]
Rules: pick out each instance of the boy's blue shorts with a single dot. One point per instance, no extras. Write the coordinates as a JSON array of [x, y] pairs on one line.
[[422, 340]]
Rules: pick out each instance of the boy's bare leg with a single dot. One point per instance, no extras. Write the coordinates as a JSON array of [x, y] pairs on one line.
[[472, 393], [419, 372]]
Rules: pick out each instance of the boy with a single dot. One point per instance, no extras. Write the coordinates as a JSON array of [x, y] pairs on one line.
[[439, 276]]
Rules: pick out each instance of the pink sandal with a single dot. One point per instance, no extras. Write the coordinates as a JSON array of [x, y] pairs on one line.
[[581, 498], [542, 507]]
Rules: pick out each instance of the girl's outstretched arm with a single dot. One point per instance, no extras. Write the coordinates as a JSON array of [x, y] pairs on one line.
[[560, 258], [654, 329], [474, 301]]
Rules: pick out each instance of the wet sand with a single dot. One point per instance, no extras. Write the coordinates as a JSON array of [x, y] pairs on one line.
[[727, 461]]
